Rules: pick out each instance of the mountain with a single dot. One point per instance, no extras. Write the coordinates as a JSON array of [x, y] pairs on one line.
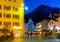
[[42, 12]]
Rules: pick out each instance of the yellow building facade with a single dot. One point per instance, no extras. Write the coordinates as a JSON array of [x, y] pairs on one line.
[[58, 19], [12, 16]]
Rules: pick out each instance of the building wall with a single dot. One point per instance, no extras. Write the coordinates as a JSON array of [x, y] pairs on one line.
[[38, 26], [59, 21], [52, 23], [16, 17], [44, 25]]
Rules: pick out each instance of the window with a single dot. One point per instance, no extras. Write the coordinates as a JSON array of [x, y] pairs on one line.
[[7, 8], [0, 23], [7, 24], [0, 6], [7, 15], [5, 0], [15, 16], [0, 15], [15, 9], [15, 23], [14, 0], [9, 0]]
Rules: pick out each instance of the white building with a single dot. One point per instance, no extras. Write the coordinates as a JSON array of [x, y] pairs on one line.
[[38, 27]]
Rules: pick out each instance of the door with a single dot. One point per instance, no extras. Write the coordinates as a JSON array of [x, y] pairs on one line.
[[18, 34]]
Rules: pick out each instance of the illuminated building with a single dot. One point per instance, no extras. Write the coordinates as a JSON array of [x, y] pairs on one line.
[[38, 27], [44, 24], [12, 15], [59, 19]]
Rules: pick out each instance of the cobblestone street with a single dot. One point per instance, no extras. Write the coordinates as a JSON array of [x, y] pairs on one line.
[[33, 39]]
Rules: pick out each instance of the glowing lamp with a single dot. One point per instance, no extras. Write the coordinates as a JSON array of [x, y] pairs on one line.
[[26, 8], [22, 4], [16, 27]]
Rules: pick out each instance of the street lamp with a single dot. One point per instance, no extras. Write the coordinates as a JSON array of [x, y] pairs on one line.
[[26, 8], [22, 4]]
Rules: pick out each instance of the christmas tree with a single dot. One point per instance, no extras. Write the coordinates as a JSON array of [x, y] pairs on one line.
[[31, 26]]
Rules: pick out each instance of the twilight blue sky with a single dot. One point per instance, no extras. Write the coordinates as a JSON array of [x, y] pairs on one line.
[[32, 4]]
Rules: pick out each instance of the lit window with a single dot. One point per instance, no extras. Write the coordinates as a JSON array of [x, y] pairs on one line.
[[0, 23], [15, 9], [7, 8], [7, 15], [0, 14], [15, 16], [14, 0], [5, 0], [0, 6], [15, 23], [7, 23], [9, 0]]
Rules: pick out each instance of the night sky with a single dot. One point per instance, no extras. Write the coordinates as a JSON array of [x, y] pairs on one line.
[[32, 4]]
